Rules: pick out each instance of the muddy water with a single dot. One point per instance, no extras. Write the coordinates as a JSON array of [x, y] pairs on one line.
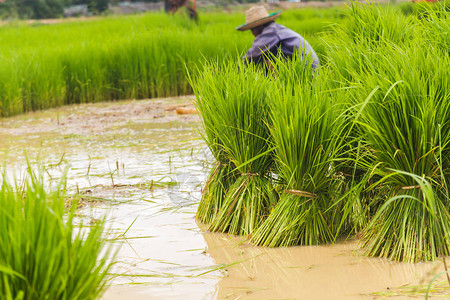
[[310, 272], [141, 167]]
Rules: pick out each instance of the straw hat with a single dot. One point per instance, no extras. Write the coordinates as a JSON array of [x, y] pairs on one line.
[[257, 15]]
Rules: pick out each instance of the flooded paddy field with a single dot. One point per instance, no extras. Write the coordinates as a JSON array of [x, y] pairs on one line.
[[141, 166]]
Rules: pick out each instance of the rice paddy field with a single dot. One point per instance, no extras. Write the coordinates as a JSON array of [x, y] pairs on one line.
[[122, 57], [291, 182]]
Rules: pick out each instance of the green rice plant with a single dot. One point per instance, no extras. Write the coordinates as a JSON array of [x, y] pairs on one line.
[[220, 178], [352, 150], [234, 102], [223, 174], [370, 53], [405, 123], [402, 125], [425, 10], [364, 34], [371, 24], [308, 130], [412, 225], [437, 24], [246, 205], [44, 255]]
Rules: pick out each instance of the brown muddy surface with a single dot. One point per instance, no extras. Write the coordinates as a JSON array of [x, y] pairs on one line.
[[141, 166], [94, 118], [337, 271]]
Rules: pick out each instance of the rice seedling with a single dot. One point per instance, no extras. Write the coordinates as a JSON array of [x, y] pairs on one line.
[[234, 102], [246, 205], [412, 225], [308, 130], [405, 123], [223, 174], [220, 179], [328, 154], [364, 34], [402, 125], [437, 24], [44, 255]]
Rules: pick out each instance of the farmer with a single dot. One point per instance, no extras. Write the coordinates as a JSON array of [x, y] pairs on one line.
[[273, 38]]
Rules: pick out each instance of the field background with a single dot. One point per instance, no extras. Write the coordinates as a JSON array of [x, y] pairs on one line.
[[125, 57]]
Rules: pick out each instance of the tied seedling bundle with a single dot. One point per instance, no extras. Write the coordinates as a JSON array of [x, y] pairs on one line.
[[234, 103], [401, 108], [308, 130], [223, 174], [405, 122]]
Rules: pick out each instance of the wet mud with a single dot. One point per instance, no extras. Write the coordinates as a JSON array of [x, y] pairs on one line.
[[338, 271]]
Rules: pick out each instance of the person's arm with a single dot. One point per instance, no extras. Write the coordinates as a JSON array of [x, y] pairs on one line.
[[264, 42]]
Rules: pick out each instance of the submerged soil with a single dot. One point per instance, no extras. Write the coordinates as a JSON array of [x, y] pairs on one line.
[[95, 118], [337, 271], [141, 166]]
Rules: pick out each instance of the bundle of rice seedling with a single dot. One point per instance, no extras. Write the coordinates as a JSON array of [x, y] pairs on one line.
[[403, 125], [406, 124], [223, 174], [246, 205], [233, 101], [308, 129], [220, 178]]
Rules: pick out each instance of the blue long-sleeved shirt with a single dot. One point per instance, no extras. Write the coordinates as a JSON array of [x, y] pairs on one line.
[[276, 37]]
